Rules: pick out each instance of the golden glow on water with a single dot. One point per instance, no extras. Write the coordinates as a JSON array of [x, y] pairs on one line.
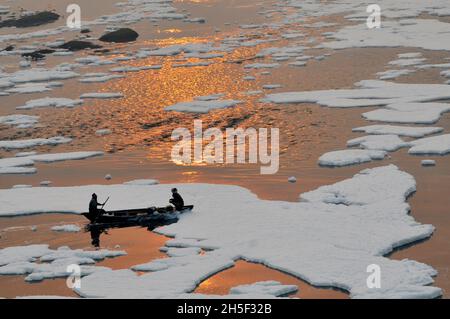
[[139, 119], [243, 273], [169, 31], [208, 284], [140, 123], [190, 176]]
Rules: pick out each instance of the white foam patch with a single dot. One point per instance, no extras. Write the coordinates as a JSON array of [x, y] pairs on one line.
[[407, 62], [56, 157], [17, 144], [434, 66], [50, 102], [16, 161], [39, 262], [103, 132], [101, 95], [180, 252], [39, 75], [298, 63], [419, 113], [393, 74], [18, 164], [258, 290], [100, 79], [4, 83], [22, 253], [44, 297], [29, 88], [367, 93], [21, 186], [445, 73], [253, 92], [350, 157], [93, 60], [17, 170], [261, 65], [386, 142], [428, 34], [66, 228], [201, 106], [273, 288], [436, 145], [409, 131], [141, 182], [410, 55], [62, 53], [403, 103], [210, 97], [19, 120], [271, 86], [22, 154], [292, 35]]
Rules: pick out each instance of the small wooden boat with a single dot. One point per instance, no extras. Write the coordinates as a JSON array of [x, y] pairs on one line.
[[140, 216]]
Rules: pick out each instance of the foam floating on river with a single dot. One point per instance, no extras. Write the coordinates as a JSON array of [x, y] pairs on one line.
[[409, 131], [402, 103], [50, 102], [66, 228], [201, 106], [19, 120], [342, 228], [39, 262], [21, 164], [350, 157], [435, 145], [101, 95], [18, 144], [386, 142]]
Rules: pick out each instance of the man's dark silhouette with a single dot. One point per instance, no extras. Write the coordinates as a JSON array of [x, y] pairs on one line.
[[94, 212], [177, 200]]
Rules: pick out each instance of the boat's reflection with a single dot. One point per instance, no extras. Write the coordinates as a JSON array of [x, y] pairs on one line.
[[97, 229]]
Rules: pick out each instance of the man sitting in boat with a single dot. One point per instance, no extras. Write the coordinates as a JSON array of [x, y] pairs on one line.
[[177, 200], [94, 212]]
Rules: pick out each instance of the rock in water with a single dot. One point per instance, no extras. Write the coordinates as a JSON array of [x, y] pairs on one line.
[[32, 20], [38, 54], [77, 45], [428, 162], [121, 35], [8, 48], [24, 64]]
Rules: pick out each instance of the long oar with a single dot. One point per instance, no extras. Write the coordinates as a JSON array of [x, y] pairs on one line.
[[105, 202]]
